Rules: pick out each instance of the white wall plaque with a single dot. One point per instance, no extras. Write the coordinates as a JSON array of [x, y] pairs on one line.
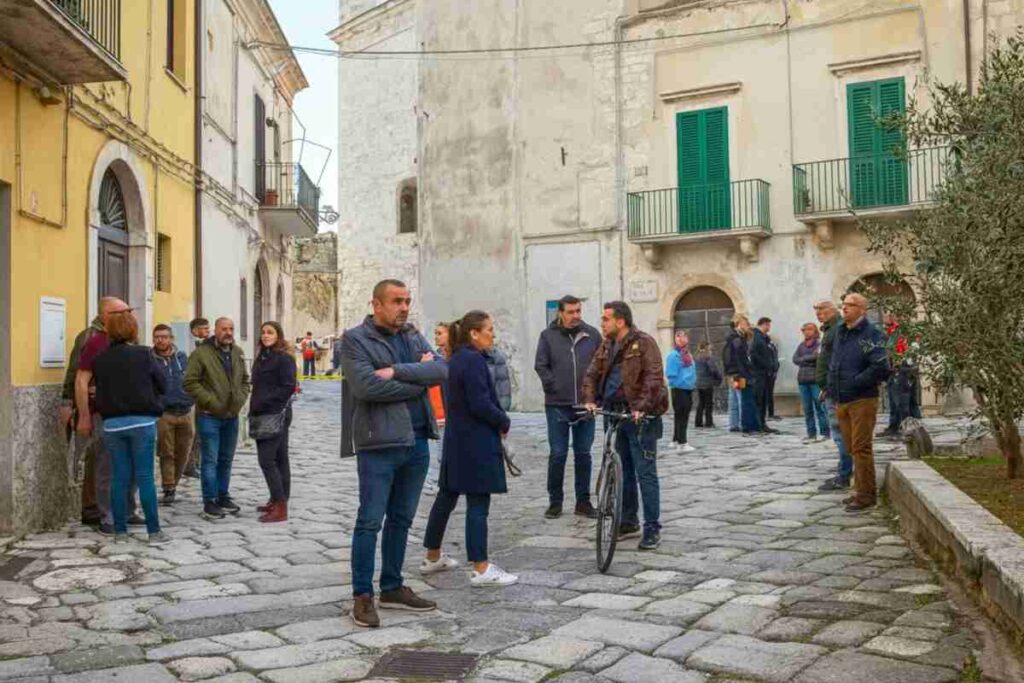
[[641, 291], [52, 324]]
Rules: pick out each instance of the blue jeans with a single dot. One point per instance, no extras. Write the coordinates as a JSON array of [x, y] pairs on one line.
[[390, 483], [133, 453], [845, 471], [748, 410], [637, 446], [734, 408], [814, 408], [478, 506], [217, 438], [309, 367], [559, 427]]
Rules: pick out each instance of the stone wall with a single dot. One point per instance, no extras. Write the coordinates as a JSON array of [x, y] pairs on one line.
[[315, 283]]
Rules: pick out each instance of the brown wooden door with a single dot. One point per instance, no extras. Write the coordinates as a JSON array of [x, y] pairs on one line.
[[113, 257]]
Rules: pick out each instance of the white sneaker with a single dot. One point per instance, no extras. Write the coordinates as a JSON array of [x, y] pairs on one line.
[[809, 439], [686, 448], [819, 438], [442, 564], [494, 576]]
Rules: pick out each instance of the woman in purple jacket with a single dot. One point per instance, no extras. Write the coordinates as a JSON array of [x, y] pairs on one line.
[[806, 357]]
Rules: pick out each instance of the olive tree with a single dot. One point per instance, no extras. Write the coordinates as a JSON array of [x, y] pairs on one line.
[[964, 254]]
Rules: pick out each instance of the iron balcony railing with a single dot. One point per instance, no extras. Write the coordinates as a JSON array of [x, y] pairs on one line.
[[744, 204], [871, 181], [100, 19], [286, 185]]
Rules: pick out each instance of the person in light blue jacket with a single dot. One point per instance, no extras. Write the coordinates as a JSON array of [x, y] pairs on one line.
[[681, 373]]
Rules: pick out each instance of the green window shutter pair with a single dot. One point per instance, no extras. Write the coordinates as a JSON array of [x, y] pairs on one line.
[[878, 165], [702, 142]]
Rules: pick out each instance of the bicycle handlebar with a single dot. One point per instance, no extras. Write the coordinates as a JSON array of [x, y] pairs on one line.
[[612, 414]]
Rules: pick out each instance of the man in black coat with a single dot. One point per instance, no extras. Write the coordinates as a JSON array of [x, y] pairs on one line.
[[763, 362]]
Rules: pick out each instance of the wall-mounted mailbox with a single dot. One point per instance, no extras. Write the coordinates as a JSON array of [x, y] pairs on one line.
[[52, 324]]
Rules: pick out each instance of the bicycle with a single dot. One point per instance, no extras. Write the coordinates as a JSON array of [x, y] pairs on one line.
[[609, 489]]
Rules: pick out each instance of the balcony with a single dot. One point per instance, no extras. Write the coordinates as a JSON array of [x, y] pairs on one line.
[[66, 41], [739, 210], [868, 185], [289, 201]]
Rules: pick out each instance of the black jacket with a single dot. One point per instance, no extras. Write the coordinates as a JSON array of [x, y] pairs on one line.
[[562, 361], [129, 382], [762, 360], [859, 363], [708, 374], [736, 356], [273, 382]]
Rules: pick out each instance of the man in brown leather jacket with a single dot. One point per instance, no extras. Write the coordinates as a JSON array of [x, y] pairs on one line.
[[626, 375]]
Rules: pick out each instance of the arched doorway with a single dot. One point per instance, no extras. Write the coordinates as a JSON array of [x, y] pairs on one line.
[[706, 314], [113, 239], [875, 287]]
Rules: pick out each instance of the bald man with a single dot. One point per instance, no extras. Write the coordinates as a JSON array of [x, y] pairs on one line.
[[859, 364], [89, 426]]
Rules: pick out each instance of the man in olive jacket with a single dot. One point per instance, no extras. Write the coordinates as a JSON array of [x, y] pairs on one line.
[[218, 381], [828, 316]]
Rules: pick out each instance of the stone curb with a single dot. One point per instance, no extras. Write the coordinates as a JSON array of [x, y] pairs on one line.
[[965, 538]]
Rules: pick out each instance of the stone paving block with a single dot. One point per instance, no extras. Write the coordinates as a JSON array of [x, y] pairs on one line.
[[924, 619], [27, 666], [600, 583], [629, 634], [682, 647], [295, 655], [737, 618], [208, 570], [198, 668], [789, 628], [186, 648], [709, 596], [35, 647], [678, 608], [607, 601], [97, 658], [238, 677], [384, 638], [847, 666], [554, 651], [638, 668], [248, 640], [348, 669], [510, 670], [744, 656], [657, 576], [317, 629], [899, 647], [914, 633], [847, 633], [603, 659], [150, 673]]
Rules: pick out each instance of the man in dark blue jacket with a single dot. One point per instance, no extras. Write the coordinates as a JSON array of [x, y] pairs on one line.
[[389, 366], [174, 428], [564, 352], [763, 362], [859, 363]]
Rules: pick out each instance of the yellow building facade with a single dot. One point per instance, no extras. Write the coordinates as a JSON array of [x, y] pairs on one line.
[[97, 198]]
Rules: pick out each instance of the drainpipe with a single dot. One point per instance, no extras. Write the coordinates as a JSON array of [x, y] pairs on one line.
[[967, 47], [200, 99]]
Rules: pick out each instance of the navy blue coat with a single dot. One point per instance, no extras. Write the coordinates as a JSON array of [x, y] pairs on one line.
[[471, 460], [859, 362]]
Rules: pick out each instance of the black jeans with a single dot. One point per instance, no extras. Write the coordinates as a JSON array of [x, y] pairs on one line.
[[770, 395], [560, 427], [705, 407], [759, 387], [478, 506], [682, 401], [273, 459]]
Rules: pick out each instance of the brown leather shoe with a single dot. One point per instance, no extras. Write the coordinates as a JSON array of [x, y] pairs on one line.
[[277, 511], [265, 506], [860, 505], [364, 613], [404, 598]]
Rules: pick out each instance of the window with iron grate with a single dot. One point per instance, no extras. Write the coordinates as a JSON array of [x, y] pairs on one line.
[[163, 263]]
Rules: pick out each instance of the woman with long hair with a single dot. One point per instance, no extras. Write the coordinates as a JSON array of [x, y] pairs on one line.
[[273, 386], [130, 389], [806, 359], [681, 373], [473, 461]]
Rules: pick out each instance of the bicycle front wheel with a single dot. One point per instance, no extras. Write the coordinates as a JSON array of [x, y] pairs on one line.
[[609, 511]]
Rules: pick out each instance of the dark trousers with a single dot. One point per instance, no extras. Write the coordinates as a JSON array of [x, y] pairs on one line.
[[637, 446], [309, 367], [273, 459], [390, 483], [770, 395], [478, 506], [705, 407], [748, 410], [902, 390], [563, 421], [759, 387], [682, 401]]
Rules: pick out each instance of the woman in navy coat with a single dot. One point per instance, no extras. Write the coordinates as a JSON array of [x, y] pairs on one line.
[[472, 459]]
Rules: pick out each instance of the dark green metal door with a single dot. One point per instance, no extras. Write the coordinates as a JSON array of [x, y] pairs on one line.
[[702, 142], [878, 165]]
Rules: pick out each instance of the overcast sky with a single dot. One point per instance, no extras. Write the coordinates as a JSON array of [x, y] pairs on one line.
[[306, 23]]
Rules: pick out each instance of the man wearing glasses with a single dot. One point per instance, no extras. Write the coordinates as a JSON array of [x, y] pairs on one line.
[[858, 365]]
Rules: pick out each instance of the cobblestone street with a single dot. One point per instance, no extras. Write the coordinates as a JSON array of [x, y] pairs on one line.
[[759, 578]]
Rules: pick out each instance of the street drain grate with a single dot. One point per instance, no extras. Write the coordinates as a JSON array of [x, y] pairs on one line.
[[438, 666]]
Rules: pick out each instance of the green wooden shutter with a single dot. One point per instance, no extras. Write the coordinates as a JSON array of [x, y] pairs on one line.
[[702, 142], [878, 172]]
